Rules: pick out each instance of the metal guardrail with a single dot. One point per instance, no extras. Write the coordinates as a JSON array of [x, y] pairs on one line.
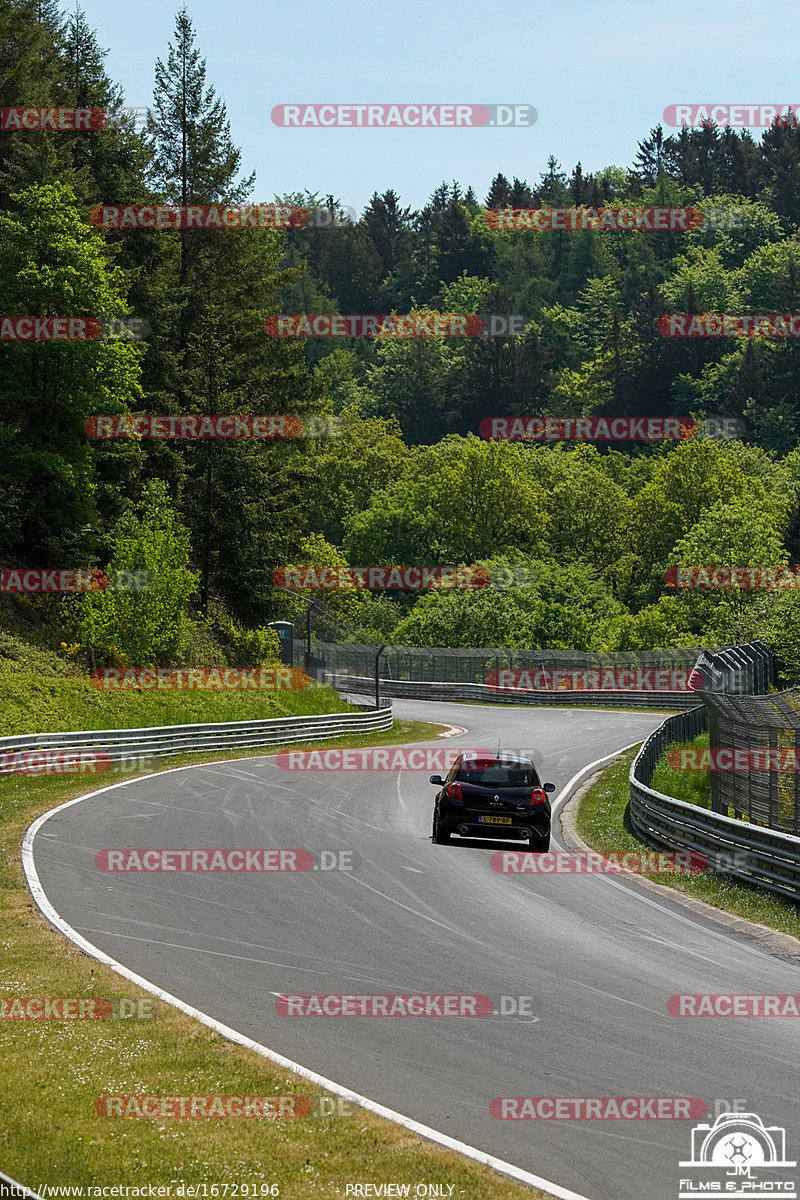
[[481, 693], [762, 856], [122, 745]]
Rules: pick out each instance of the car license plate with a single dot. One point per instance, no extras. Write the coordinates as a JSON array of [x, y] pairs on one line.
[[495, 820]]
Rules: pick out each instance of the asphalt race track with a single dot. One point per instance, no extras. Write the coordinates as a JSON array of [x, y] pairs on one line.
[[599, 955]]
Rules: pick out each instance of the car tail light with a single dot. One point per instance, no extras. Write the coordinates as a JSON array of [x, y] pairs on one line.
[[538, 797], [454, 793]]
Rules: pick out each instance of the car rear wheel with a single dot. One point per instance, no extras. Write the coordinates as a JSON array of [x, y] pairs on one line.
[[439, 836]]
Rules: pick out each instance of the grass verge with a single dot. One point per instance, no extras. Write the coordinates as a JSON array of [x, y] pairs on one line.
[[42, 694], [53, 1071], [603, 821], [693, 787]]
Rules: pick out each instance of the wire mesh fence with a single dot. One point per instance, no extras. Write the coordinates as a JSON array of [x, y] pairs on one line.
[[765, 730], [440, 664]]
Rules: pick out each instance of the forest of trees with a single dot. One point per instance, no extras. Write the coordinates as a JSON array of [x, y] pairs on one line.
[[408, 480]]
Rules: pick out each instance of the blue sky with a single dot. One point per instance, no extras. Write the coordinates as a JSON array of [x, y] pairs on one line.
[[599, 76]]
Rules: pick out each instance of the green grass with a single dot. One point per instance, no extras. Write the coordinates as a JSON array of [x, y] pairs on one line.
[[604, 824], [54, 1070], [50, 702], [693, 787]]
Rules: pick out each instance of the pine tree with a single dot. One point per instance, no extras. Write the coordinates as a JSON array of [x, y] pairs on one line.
[[499, 193], [388, 225], [31, 42], [210, 295], [650, 157], [521, 195], [552, 189]]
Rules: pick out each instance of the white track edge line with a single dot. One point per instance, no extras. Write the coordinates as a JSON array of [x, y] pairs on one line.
[[233, 1035], [568, 788]]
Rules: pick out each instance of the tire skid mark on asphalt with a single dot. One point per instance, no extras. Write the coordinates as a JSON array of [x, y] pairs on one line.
[[197, 950]]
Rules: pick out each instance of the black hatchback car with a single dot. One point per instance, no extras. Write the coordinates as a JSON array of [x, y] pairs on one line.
[[493, 796]]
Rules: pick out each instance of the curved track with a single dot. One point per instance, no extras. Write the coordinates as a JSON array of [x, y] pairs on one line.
[[600, 956]]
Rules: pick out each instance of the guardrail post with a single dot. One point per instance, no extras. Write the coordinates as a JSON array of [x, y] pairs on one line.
[[378, 677]]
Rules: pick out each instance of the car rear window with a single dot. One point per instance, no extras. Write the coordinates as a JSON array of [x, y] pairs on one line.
[[500, 775]]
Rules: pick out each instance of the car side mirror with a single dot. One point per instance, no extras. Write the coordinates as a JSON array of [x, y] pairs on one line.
[[436, 779], [549, 787]]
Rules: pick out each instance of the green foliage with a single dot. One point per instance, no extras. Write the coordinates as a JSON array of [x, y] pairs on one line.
[[460, 501], [561, 607], [246, 647], [689, 480], [149, 626], [53, 265], [348, 469]]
